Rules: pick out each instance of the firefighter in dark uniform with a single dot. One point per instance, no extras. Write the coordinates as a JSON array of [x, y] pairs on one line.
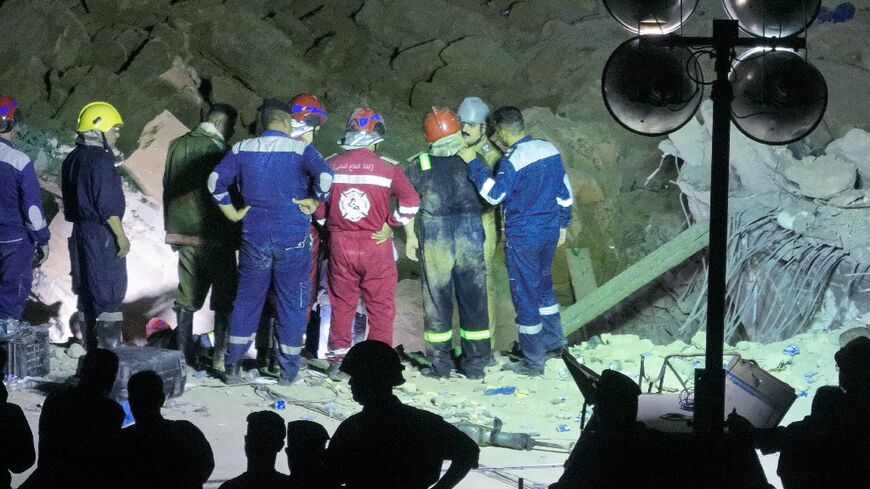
[[450, 234], [93, 200]]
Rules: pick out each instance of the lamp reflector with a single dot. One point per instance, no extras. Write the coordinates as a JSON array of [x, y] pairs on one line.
[[778, 96], [651, 89]]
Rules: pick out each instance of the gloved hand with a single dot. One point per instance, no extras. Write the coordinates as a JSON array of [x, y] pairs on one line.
[[563, 235]]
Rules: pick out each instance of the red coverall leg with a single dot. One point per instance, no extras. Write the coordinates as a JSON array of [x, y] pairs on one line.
[[357, 264]]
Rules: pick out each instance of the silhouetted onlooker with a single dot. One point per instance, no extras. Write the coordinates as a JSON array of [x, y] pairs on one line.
[[389, 444], [157, 452], [306, 450], [610, 451], [829, 447], [263, 441], [79, 430], [16, 439]]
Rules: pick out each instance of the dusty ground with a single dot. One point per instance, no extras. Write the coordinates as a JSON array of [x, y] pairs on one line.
[[539, 405]]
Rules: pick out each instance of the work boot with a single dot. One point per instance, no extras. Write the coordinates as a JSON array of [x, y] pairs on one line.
[[284, 380], [108, 334], [335, 374], [221, 331], [265, 343], [233, 374], [184, 336], [523, 368], [90, 334]]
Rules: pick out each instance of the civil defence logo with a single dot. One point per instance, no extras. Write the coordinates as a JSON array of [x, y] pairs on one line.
[[354, 204]]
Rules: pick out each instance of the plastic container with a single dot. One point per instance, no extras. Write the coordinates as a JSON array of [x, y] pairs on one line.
[[29, 355]]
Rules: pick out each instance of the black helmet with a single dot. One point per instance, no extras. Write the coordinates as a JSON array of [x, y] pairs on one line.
[[374, 361]]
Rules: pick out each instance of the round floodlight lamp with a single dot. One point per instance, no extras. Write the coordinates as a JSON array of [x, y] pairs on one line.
[[778, 96], [652, 89], [651, 17], [773, 18]]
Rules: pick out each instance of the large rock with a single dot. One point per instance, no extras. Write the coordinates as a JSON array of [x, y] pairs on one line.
[[146, 165]]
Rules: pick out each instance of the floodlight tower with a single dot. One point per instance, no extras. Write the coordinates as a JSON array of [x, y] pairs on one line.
[[780, 98]]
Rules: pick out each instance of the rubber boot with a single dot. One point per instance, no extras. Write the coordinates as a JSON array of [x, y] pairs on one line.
[[233, 373], [90, 334], [265, 343], [221, 331], [108, 334], [184, 336]]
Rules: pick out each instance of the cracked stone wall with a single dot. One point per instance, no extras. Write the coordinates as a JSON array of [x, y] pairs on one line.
[[401, 57]]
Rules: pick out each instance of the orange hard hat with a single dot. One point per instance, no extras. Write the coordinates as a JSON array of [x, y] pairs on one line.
[[440, 122]]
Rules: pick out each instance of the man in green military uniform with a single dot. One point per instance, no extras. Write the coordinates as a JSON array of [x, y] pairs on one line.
[[205, 241], [472, 113]]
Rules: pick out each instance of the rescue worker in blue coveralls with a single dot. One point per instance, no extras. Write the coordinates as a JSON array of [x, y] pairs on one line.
[[535, 194], [93, 200], [274, 173], [22, 221], [451, 237]]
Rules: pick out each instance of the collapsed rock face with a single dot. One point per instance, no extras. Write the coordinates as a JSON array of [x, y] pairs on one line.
[[147, 56]]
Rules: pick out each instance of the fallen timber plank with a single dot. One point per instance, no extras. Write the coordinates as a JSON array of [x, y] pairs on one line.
[[649, 268]]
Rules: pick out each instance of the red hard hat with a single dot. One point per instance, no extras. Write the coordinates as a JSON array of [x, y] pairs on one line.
[[440, 122], [367, 120], [7, 108], [308, 109]]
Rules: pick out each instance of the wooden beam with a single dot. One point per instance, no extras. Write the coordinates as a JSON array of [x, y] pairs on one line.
[[649, 268], [580, 268]]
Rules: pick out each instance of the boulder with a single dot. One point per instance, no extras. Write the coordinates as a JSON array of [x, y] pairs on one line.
[[146, 165]]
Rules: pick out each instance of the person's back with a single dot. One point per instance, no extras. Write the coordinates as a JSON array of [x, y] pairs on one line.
[[363, 185], [612, 449], [306, 450], [157, 452], [271, 170], [91, 186], [79, 429], [263, 440], [389, 444], [191, 216], [16, 439], [167, 454], [412, 442]]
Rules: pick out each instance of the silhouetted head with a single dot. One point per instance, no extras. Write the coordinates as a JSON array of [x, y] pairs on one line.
[[223, 117], [306, 444], [616, 397], [853, 360], [374, 368], [265, 435], [98, 372], [145, 393]]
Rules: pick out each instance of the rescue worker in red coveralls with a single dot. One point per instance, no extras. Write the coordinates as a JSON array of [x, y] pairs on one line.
[[307, 114], [451, 242], [22, 222], [276, 175], [358, 211]]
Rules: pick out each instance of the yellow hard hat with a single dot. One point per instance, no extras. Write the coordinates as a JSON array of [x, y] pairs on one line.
[[101, 116]]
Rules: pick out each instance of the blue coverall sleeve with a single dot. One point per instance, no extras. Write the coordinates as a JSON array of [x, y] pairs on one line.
[[492, 189], [565, 199], [223, 176], [30, 200], [320, 172], [107, 189]]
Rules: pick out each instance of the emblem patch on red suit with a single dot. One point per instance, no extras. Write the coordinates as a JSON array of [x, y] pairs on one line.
[[354, 204]]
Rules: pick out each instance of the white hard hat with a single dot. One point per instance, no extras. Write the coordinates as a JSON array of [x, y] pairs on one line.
[[473, 110]]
